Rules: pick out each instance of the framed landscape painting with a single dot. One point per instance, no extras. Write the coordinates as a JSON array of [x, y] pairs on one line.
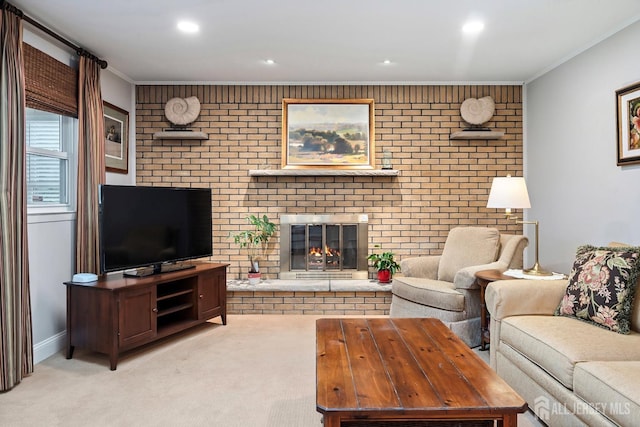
[[628, 115], [328, 133], [116, 138]]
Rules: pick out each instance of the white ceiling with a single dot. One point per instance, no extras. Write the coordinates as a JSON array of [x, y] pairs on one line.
[[341, 41]]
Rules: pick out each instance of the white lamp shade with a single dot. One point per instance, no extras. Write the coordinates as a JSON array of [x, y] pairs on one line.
[[508, 193]]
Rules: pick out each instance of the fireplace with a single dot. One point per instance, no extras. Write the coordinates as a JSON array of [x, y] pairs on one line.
[[323, 246]]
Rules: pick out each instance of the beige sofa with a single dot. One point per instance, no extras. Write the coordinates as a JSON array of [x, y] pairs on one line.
[[570, 372]]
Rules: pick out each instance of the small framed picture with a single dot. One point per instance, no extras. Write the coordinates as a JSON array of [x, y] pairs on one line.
[[116, 138], [628, 117], [328, 133]]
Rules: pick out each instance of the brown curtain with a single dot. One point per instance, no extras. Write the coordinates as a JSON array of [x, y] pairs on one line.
[[91, 167], [16, 341]]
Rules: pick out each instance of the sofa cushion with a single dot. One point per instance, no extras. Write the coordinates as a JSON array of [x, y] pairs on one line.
[[601, 287], [433, 293], [466, 247], [611, 388], [635, 312], [557, 343]]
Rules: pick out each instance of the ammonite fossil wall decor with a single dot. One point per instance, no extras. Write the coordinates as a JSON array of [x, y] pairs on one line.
[[182, 111], [476, 112]]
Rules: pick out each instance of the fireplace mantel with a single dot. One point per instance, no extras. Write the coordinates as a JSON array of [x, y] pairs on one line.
[[324, 172]]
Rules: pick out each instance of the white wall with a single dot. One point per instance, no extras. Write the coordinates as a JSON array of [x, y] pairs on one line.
[[578, 193], [52, 237]]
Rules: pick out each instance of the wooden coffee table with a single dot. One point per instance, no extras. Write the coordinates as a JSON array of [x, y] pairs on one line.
[[374, 372]]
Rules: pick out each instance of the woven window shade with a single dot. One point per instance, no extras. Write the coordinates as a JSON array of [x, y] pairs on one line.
[[50, 85]]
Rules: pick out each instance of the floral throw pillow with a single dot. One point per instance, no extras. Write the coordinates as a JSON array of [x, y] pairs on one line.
[[601, 286]]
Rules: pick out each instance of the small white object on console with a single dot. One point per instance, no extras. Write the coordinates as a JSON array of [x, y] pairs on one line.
[[84, 277]]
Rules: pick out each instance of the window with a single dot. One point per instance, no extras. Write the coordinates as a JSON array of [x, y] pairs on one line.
[[51, 141]]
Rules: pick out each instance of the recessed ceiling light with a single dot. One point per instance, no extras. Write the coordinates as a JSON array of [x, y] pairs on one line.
[[386, 62], [188, 27], [473, 27], [269, 61]]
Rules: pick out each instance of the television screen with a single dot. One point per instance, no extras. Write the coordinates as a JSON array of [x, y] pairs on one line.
[[148, 226]]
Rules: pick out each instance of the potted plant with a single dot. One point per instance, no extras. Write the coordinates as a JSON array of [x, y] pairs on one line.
[[385, 264], [254, 240]]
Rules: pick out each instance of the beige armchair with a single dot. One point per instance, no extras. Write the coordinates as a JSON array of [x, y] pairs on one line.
[[444, 286]]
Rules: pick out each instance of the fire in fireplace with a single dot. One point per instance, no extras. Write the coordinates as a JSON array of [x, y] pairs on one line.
[[319, 258], [323, 246]]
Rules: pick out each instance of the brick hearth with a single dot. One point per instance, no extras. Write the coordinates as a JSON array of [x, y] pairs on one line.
[[330, 297]]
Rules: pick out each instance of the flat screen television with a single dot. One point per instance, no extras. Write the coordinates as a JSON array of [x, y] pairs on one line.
[[153, 227]]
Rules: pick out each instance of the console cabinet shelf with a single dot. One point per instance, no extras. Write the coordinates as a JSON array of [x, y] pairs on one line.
[[116, 313]]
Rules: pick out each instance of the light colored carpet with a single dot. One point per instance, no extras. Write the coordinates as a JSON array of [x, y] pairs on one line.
[[256, 371]]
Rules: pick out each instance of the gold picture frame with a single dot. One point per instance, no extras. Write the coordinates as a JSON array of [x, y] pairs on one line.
[[328, 133], [628, 120], [116, 138]]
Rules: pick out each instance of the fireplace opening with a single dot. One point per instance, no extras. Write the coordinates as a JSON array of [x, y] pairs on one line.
[[323, 246]]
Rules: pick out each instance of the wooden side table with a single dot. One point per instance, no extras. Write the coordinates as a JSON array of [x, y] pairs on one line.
[[483, 278]]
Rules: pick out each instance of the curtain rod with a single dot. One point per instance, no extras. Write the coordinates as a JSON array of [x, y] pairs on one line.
[[79, 51]]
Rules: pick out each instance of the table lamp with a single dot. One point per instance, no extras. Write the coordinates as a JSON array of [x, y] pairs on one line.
[[511, 193]]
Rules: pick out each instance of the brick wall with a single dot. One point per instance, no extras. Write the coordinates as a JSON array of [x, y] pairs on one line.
[[442, 183]]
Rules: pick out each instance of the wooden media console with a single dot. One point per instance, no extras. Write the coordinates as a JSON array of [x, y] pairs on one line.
[[116, 314]]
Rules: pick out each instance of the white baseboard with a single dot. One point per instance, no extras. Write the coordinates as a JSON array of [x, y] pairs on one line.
[[49, 347]]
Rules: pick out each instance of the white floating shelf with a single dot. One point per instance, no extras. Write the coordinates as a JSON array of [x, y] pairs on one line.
[[324, 172], [477, 134], [180, 134]]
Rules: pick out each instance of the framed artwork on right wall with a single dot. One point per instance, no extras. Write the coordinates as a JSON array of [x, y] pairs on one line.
[[628, 119]]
